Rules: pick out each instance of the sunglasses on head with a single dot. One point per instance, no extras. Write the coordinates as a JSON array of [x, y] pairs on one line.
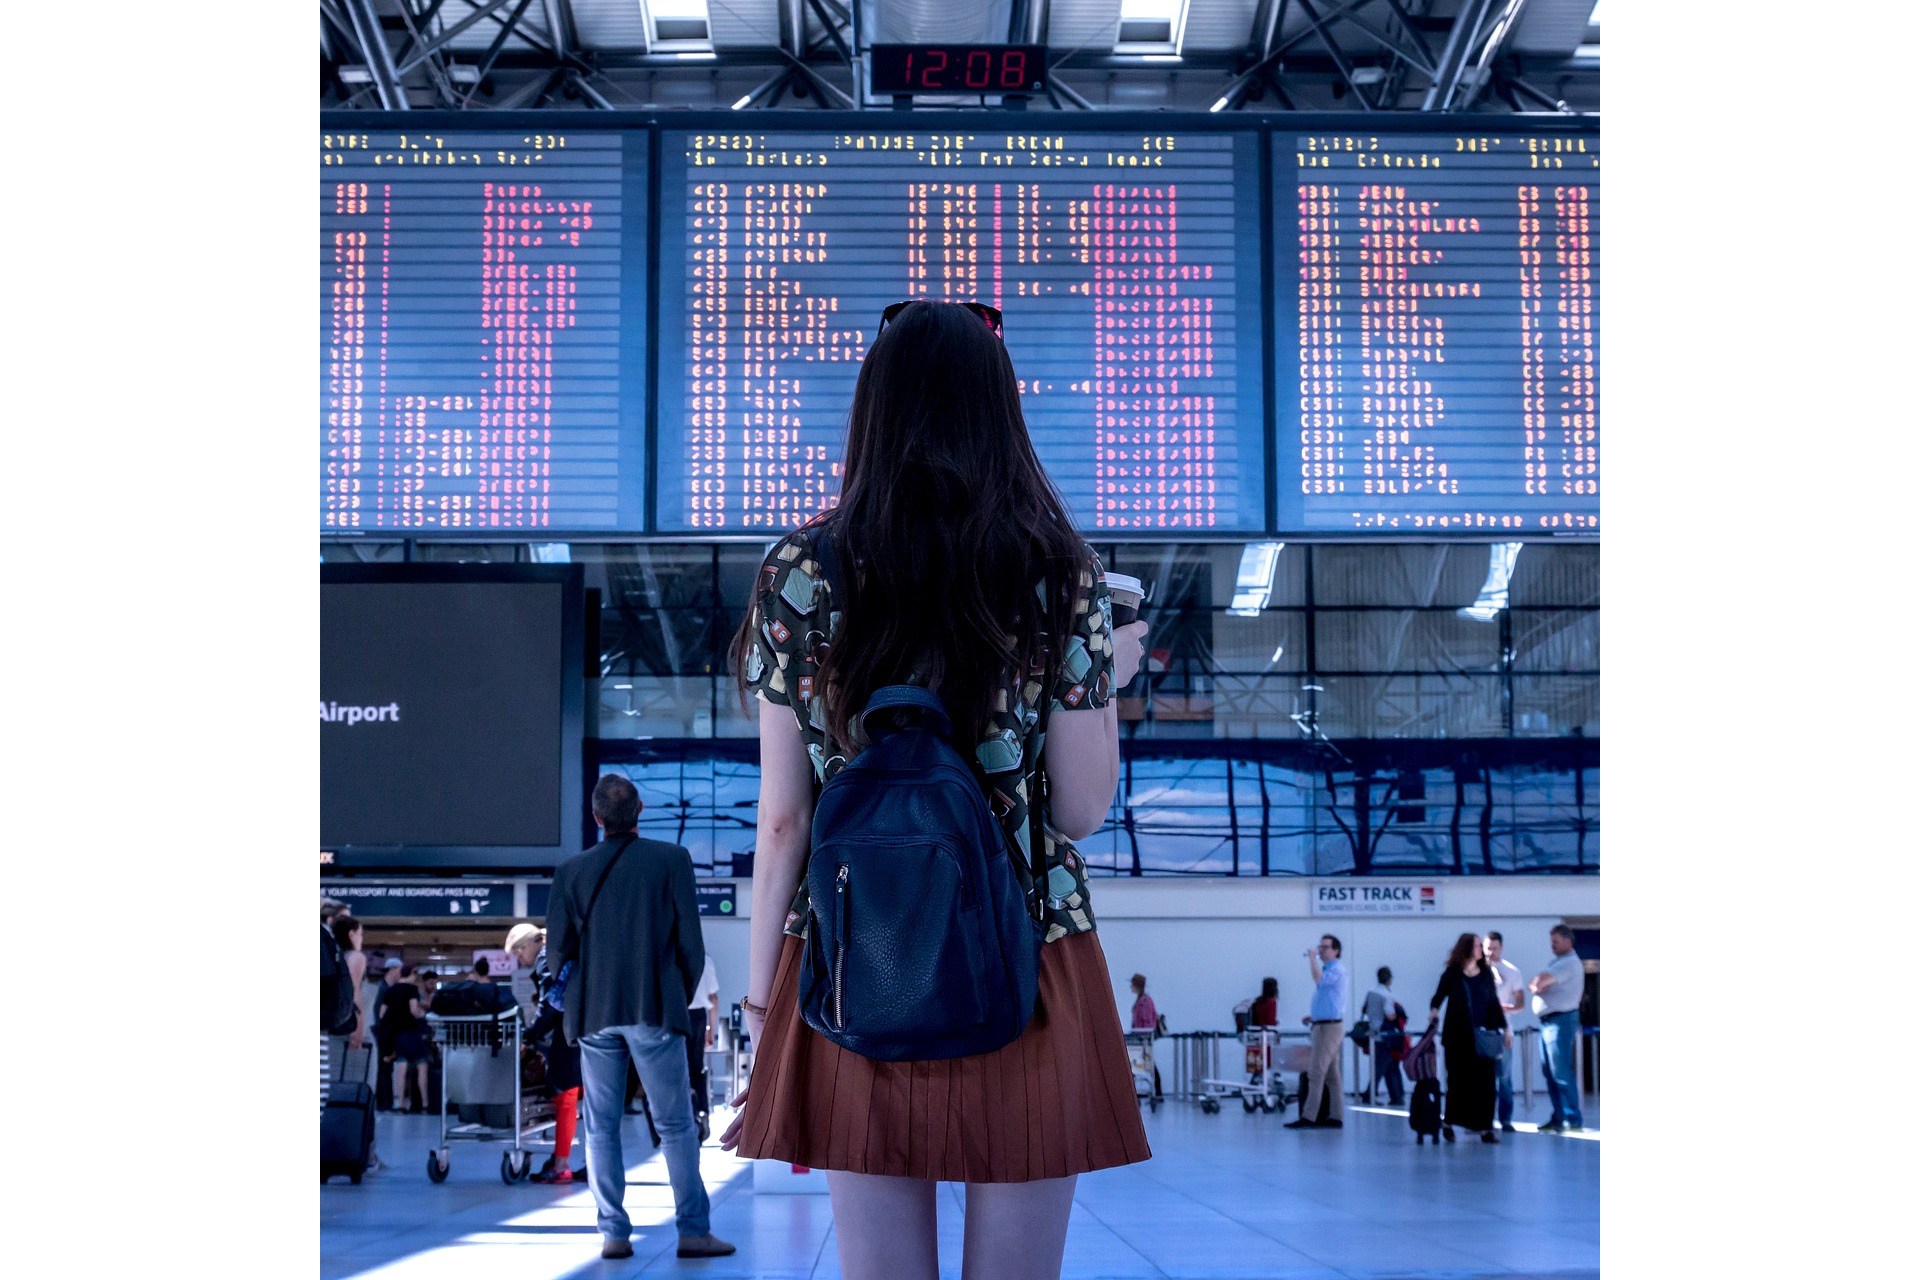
[[991, 315]]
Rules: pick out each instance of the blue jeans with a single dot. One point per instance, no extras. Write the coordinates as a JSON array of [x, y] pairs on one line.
[[661, 1058], [1503, 1086], [1386, 1070], [1557, 1032]]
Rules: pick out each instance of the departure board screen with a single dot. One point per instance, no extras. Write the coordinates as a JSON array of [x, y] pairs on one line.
[[482, 298], [1438, 329], [1127, 266]]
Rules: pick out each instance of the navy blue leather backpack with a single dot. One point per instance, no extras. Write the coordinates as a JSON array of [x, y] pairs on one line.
[[922, 943]]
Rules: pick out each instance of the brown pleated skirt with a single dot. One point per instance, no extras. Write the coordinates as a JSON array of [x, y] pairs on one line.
[[1057, 1101]]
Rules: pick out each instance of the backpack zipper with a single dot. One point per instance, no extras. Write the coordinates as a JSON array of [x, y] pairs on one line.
[[840, 948]]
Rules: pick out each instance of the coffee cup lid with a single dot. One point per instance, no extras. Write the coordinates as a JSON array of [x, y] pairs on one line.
[[1126, 582]]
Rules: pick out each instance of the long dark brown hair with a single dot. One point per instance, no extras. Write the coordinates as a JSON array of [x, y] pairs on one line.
[[1463, 952], [945, 523]]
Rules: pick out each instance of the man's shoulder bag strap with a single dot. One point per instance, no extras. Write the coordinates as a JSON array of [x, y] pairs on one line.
[[578, 982]]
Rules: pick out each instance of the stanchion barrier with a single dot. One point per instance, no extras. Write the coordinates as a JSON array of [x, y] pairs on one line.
[[1195, 1058], [1526, 1043], [1202, 1064], [1586, 1057]]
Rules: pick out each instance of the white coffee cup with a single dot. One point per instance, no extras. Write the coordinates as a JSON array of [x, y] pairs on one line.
[[1128, 594]]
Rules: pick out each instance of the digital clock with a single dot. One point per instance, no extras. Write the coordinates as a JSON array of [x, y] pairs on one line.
[[957, 68]]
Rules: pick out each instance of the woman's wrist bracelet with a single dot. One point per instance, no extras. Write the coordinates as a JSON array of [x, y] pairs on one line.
[[755, 1009]]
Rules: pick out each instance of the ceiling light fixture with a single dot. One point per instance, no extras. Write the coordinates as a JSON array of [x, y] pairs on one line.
[[676, 25], [1253, 584], [1501, 557], [1153, 28]]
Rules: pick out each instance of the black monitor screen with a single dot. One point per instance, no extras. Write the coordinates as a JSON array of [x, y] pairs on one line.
[[482, 344], [1127, 266], [444, 714], [1439, 332]]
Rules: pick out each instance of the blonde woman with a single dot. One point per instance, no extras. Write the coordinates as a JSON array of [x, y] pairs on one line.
[[528, 943]]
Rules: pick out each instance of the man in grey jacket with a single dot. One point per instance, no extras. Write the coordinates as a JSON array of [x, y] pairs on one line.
[[625, 914]]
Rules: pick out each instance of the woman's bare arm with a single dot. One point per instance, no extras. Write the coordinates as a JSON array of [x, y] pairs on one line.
[[1083, 747], [785, 831]]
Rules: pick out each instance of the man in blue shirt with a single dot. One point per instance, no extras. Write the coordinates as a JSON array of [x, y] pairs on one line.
[[1327, 1019]]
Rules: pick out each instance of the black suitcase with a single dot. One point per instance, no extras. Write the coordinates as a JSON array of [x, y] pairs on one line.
[[1326, 1102], [1423, 1114], [346, 1130], [1300, 1102]]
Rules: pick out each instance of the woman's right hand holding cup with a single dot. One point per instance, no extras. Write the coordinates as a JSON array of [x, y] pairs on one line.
[[1129, 647]]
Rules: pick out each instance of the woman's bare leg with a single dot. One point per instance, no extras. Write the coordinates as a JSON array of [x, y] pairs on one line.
[[886, 1227], [1017, 1230], [400, 1084]]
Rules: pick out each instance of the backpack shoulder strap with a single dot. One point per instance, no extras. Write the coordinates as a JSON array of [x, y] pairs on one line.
[[1037, 790]]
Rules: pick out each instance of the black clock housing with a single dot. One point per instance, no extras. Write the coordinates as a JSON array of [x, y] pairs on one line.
[[957, 68]]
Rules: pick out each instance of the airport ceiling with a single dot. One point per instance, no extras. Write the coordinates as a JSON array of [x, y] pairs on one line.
[[1226, 55]]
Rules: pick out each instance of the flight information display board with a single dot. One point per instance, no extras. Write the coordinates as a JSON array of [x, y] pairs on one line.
[[1126, 264], [570, 326], [479, 292], [1438, 329]]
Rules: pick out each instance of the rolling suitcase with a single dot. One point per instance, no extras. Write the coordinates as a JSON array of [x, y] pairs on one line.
[[346, 1130], [1424, 1112]]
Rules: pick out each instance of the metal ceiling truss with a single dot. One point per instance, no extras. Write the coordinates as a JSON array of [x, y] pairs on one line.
[[839, 30], [1377, 55], [403, 50], [1476, 61], [1386, 46]]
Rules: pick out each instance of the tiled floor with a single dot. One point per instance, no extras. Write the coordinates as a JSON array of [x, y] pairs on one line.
[[1228, 1196]]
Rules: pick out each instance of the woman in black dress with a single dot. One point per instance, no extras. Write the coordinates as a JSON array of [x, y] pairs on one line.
[[1467, 990]]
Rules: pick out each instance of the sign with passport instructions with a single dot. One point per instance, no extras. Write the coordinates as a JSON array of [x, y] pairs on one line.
[[1365, 898], [403, 899]]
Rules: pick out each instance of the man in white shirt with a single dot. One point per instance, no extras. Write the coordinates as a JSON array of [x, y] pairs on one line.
[[1556, 1000], [703, 1011], [1512, 993]]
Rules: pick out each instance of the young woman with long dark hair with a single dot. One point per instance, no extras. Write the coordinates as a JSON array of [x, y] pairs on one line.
[[1467, 989], [1265, 1011], [961, 572]]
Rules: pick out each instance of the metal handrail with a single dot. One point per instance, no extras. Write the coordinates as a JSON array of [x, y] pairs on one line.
[[1196, 1057]]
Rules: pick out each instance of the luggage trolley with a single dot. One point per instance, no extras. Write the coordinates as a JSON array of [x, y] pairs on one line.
[[494, 1035], [1265, 1088], [1140, 1058], [1270, 1063]]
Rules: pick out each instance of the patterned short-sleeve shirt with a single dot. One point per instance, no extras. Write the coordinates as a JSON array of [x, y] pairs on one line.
[[794, 620]]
